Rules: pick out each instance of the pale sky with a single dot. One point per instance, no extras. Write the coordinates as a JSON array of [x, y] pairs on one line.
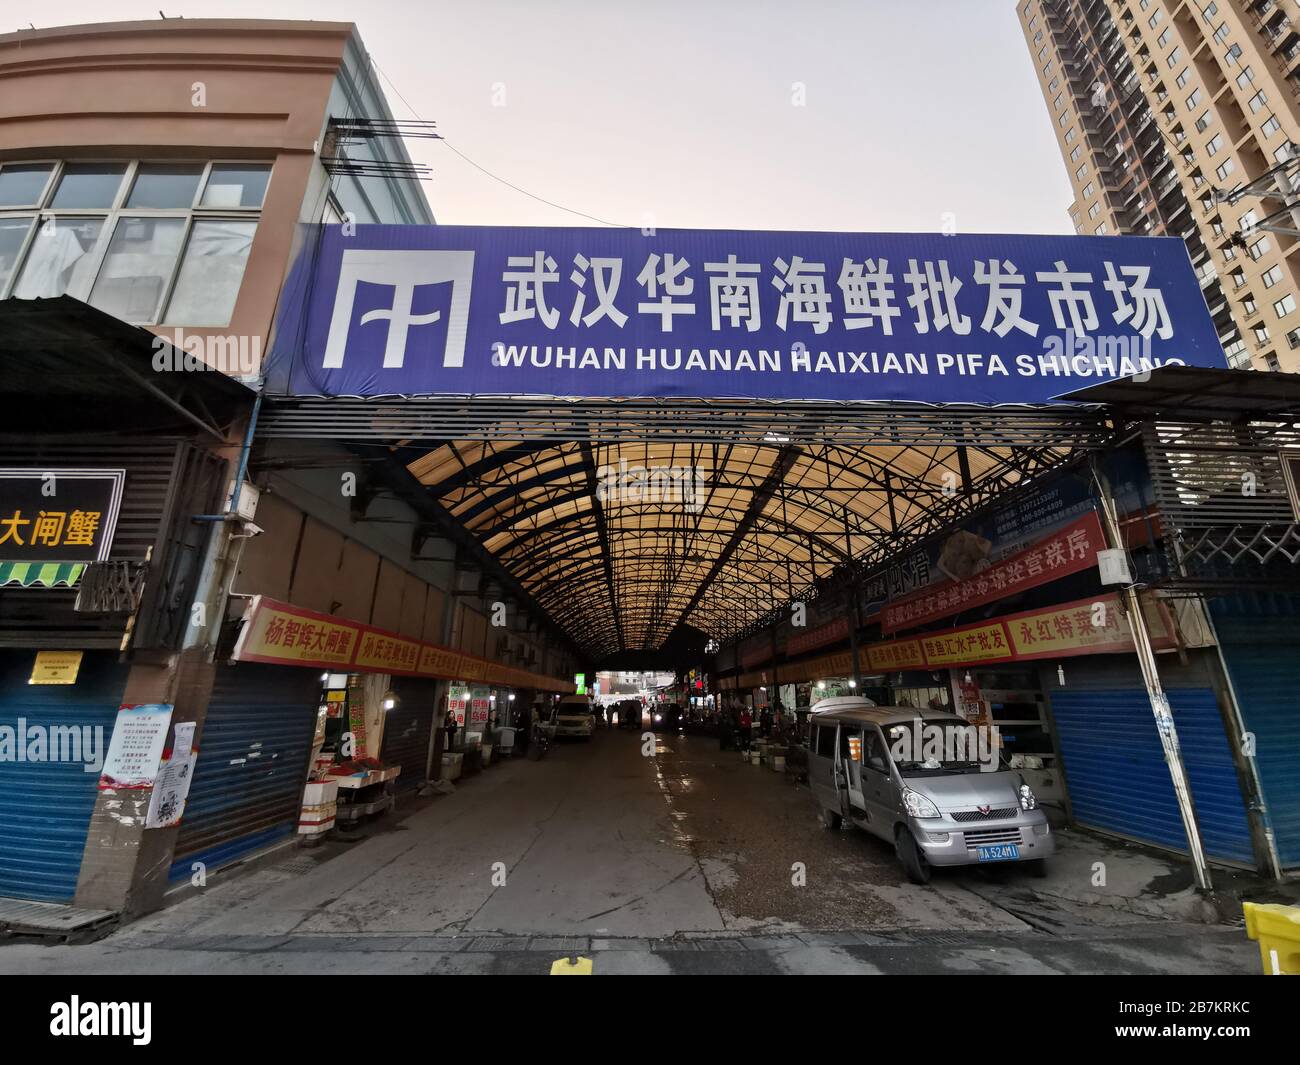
[[682, 113]]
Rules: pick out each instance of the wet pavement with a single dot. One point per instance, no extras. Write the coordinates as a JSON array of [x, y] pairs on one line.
[[683, 860]]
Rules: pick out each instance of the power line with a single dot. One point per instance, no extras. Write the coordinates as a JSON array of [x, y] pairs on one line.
[[485, 170]]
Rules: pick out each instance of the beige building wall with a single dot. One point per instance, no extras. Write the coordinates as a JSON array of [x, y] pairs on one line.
[[183, 89], [1219, 82]]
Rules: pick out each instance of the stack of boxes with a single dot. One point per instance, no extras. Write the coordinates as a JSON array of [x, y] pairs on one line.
[[319, 807]]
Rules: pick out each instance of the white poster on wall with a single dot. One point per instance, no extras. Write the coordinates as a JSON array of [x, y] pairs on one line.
[[139, 736], [167, 804]]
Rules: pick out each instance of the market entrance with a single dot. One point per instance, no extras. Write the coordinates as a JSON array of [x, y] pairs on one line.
[[714, 526]]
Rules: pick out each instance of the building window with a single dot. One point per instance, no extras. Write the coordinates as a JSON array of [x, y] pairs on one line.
[[1193, 99], [147, 242], [1213, 145], [1094, 210], [1175, 57], [1042, 53], [1082, 172], [1088, 190], [1261, 333], [1270, 360], [1271, 276], [1271, 126], [1203, 123], [1059, 102], [1257, 101], [1100, 231], [1069, 135], [1246, 76], [1065, 118], [1163, 39], [1225, 168], [1076, 152], [1183, 78], [1284, 306], [1154, 20], [1209, 11], [1232, 55], [1260, 248], [1054, 84], [1221, 34]]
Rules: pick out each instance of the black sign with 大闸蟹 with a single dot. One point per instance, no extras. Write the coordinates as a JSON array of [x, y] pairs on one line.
[[58, 515]]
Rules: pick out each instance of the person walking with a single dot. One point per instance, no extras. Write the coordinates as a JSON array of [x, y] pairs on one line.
[[523, 726], [450, 726], [746, 728]]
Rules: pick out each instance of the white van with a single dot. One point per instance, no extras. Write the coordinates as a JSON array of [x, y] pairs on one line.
[[890, 770], [575, 717]]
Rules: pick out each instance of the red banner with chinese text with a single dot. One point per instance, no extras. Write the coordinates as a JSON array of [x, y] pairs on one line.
[[1070, 549], [283, 634]]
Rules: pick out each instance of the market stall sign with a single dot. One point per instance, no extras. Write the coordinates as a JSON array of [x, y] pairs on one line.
[[383, 310], [56, 667], [1071, 549], [833, 631], [57, 515], [894, 655], [283, 634], [1096, 625]]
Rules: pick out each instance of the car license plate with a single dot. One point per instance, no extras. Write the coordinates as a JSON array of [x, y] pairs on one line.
[[999, 852]]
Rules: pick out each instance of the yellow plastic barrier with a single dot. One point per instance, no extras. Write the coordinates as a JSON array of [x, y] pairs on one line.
[[1277, 928], [571, 967]]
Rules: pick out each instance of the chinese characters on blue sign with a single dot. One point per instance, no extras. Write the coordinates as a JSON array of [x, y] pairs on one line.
[[420, 310]]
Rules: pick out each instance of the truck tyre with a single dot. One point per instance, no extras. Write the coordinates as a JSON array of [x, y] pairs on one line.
[[830, 819]]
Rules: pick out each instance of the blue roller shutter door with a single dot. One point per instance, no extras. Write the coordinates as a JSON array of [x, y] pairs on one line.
[[47, 805], [1260, 640], [1117, 777], [252, 764], [406, 730]]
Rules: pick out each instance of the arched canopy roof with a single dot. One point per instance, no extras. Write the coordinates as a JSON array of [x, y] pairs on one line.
[[622, 542]]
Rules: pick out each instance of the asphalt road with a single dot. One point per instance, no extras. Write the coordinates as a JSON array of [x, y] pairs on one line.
[[683, 860]]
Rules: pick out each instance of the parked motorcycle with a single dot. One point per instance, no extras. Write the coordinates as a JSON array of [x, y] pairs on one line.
[[539, 741]]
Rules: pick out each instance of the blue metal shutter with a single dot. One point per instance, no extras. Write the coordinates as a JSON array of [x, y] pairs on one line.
[[252, 765], [1117, 778], [406, 730], [47, 805], [1259, 637]]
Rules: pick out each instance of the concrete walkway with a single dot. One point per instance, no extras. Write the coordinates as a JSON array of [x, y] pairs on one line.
[[644, 861]]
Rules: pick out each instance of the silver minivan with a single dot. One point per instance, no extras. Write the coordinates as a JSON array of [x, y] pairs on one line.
[[926, 781]]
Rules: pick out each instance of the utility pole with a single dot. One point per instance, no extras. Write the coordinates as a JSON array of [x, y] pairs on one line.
[[1159, 700]]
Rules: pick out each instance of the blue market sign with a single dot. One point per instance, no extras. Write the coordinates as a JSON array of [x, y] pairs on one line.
[[469, 310]]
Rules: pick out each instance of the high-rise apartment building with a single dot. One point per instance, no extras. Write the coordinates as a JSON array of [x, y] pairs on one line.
[[1181, 117]]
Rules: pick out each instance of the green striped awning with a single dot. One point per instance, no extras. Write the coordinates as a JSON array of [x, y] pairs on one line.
[[41, 574]]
